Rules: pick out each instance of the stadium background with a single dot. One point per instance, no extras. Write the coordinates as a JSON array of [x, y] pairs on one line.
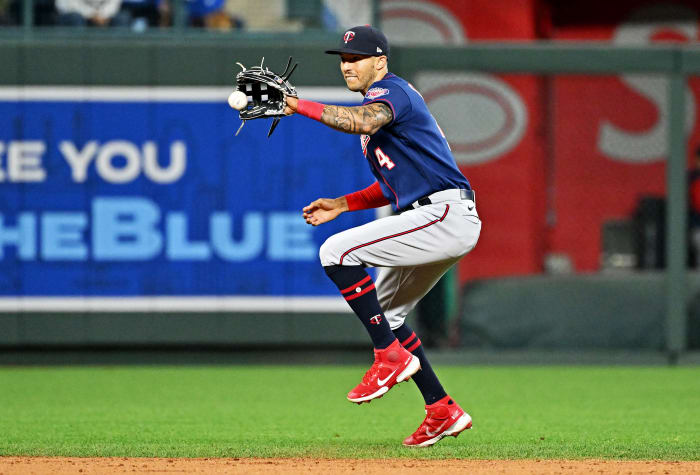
[[133, 218]]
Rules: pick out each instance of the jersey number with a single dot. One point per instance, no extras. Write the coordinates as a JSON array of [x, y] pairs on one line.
[[383, 158]]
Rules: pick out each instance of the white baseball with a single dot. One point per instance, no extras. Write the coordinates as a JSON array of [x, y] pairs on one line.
[[237, 100]]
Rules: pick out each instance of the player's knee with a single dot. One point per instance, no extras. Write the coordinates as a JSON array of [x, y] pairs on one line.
[[334, 252], [328, 253]]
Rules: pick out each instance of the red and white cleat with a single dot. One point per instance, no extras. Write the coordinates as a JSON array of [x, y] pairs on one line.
[[442, 419], [391, 365]]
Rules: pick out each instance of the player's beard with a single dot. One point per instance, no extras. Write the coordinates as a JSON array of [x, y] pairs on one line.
[[360, 82], [354, 83]]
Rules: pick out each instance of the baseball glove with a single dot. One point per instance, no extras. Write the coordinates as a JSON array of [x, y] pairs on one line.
[[266, 92]]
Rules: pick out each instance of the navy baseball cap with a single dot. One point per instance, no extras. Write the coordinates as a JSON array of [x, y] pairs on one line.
[[364, 40]]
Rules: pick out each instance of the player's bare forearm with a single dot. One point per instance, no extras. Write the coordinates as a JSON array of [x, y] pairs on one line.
[[324, 209], [365, 120]]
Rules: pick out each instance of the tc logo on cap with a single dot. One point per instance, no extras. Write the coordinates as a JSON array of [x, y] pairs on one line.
[[349, 35]]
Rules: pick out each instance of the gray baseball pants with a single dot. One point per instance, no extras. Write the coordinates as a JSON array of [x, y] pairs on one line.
[[412, 250]]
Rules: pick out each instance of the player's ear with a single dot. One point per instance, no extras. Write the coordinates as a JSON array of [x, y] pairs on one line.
[[381, 62]]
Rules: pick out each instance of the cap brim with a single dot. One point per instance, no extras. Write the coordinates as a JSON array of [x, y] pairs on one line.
[[351, 51]]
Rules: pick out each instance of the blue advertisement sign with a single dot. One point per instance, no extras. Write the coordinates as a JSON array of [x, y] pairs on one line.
[[137, 197]]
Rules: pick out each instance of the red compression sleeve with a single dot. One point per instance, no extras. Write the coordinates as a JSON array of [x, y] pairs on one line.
[[310, 109], [370, 197]]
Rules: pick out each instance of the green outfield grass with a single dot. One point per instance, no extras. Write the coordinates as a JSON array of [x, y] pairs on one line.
[[263, 411]]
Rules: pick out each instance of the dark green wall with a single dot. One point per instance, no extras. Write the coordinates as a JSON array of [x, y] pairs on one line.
[[209, 59], [161, 62], [243, 329]]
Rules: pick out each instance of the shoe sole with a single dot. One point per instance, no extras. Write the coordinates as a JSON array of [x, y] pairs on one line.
[[405, 375], [462, 424], [410, 370]]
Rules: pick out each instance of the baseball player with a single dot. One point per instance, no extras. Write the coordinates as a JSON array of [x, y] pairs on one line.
[[435, 225]]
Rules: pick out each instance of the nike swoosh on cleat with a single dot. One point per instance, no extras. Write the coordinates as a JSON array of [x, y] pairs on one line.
[[432, 434], [382, 382]]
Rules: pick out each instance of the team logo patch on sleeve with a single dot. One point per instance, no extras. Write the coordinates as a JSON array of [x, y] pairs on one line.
[[376, 92]]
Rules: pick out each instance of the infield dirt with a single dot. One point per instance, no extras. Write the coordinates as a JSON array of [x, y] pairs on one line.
[[74, 465]]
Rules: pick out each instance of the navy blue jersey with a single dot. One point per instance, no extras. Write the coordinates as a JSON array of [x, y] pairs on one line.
[[409, 156]]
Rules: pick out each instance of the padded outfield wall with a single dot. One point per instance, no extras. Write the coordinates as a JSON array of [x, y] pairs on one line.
[[152, 156]]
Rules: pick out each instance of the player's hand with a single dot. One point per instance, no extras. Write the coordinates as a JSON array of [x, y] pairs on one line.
[[291, 106], [324, 209]]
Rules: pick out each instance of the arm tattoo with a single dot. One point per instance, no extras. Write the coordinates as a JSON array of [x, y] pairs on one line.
[[357, 120]]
